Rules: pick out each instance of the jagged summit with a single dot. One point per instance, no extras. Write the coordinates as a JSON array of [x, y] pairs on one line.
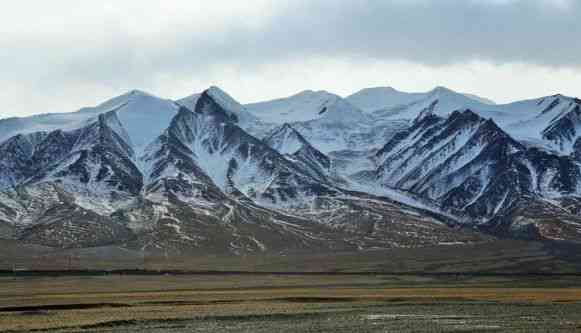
[[215, 103], [219, 95], [231, 110], [225, 100]]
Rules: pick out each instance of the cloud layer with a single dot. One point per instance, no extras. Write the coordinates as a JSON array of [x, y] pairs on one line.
[[59, 53], [437, 32]]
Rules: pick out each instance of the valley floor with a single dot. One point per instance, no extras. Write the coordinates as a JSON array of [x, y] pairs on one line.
[[499, 256], [289, 303]]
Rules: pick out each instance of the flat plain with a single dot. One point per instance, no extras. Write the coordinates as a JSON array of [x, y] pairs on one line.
[[289, 303]]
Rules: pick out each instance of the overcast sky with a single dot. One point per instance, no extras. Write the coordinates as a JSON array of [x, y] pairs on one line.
[[60, 55]]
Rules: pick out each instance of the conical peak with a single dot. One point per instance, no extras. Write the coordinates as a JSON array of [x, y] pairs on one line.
[[224, 99], [212, 104]]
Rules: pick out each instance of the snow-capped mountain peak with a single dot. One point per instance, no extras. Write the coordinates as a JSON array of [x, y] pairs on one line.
[[376, 98], [232, 109], [387, 101], [305, 106], [142, 115], [219, 95], [226, 101], [138, 162], [214, 104]]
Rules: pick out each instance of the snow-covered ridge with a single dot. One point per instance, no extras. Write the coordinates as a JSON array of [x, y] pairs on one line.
[[189, 101], [286, 140], [528, 121], [137, 157], [142, 115], [373, 99], [224, 100], [305, 106], [387, 98]]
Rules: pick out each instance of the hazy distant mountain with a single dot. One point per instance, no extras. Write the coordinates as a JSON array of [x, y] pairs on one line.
[[388, 98]]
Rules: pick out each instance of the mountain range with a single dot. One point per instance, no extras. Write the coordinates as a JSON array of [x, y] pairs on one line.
[[310, 172]]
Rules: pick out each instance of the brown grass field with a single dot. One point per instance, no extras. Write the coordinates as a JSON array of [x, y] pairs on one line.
[[504, 256], [289, 303]]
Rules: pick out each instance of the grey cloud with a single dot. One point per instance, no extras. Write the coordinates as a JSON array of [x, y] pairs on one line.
[[429, 32]]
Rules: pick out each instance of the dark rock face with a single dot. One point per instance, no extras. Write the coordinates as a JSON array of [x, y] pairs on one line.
[[563, 130], [552, 173], [53, 148], [473, 168], [91, 155], [577, 150], [465, 162], [15, 160], [95, 153], [208, 106]]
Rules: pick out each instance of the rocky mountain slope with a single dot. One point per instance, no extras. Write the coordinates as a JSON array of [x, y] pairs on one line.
[[201, 185], [472, 168], [313, 171]]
